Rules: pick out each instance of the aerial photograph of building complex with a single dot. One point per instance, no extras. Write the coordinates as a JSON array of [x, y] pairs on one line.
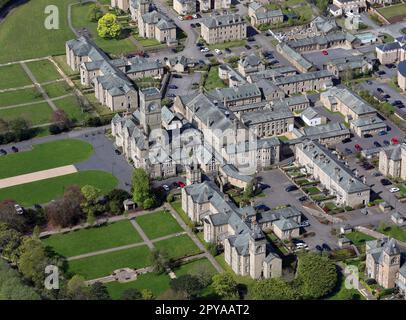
[[203, 150]]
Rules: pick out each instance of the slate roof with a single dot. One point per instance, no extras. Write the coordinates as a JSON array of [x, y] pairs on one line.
[[303, 77], [269, 14], [393, 152], [244, 91], [389, 46], [294, 55], [222, 20], [250, 61], [369, 123], [286, 224], [265, 115], [310, 113], [158, 19]]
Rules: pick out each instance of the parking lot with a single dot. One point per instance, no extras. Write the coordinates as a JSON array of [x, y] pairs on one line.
[[319, 59], [182, 86]]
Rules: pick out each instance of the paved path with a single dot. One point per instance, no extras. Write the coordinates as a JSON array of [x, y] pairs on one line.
[[36, 102], [194, 238], [40, 89], [36, 176], [361, 288]]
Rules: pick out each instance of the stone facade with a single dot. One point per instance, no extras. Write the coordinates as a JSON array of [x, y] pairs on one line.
[[392, 161], [219, 29], [184, 7]]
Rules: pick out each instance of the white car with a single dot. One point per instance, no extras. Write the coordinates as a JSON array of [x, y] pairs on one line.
[[18, 209], [180, 18], [166, 187], [205, 50], [217, 51], [194, 16], [393, 190]]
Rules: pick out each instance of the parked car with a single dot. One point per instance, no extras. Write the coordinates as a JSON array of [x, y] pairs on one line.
[[290, 188], [194, 16], [394, 140], [180, 18], [171, 95], [346, 140], [117, 151], [386, 182], [189, 18], [347, 150], [264, 186], [394, 190], [181, 184], [175, 185], [318, 248], [386, 143], [377, 174], [368, 82], [250, 39], [172, 86], [379, 90], [205, 49], [247, 47], [326, 247], [367, 166], [227, 50], [165, 187], [217, 51], [193, 25], [377, 144], [208, 55], [302, 198], [382, 133], [177, 76], [367, 135], [325, 53], [358, 147], [19, 209], [396, 102], [262, 207]]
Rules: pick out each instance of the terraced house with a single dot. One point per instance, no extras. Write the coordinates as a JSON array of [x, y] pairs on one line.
[[156, 25], [295, 58], [392, 161], [250, 64], [223, 28], [261, 15], [112, 86], [332, 174]]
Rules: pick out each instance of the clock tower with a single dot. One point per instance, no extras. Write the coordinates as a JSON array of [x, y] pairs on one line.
[[150, 109]]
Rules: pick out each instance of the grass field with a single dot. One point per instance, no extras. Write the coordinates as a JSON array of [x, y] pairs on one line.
[[80, 19], [12, 76], [229, 44], [44, 191], [393, 231], [71, 107], [20, 96], [158, 224], [35, 114], [57, 89], [195, 267], [25, 33], [43, 71], [157, 283], [213, 80], [45, 156], [393, 11], [104, 264], [358, 238], [94, 239], [178, 247]]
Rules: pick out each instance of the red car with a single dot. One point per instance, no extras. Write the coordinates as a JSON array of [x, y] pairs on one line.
[[358, 147], [324, 52], [394, 140], [181, 184], [188, 18]]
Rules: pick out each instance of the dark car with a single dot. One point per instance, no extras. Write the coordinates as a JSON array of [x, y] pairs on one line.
[[380, 72], [3, 152], [174, 50], [367, 135], [250, 39], [326, 247], [117, 151], [386, 142], [199, 44], [227, 50], [247, 47], [14, 149], [302, 198], [346, 140], [291, 188], [208, 55], [386, 182], [262, 207], [178, 76], [386, 96], [175, 185], [348, 151], [197, 24], [369, 82], [318, 248], [382, 133], [171, 95], [264, 186], [396, 102], [367, 166], [172, 86], [193, 25], [377, 144], [377, 174], [379, 90]]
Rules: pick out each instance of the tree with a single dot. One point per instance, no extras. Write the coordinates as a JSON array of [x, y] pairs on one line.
[[316, 275], [115, 200], [76, 288], [147, 294], [108, 26], [95, 13], [249, 191], [272, 289], [61, 119], [21, 128], [159, 260], [8, 215], [131, 294], [142, 186], [187, 284], [90, 205], [33, 260], [225, 286], [4, 125], [10, 241], [98, 291]]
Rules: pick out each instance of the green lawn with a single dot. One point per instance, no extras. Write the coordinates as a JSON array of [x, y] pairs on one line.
[[104, 264], [12, 76], [392, 231], [229, 44], [158, 224], [112, 235], [26, 36], [177, 206], [61, 61], [11, 98], [45, 156], [393, 11], [57, 89], [178, 247], [359, 238], [195, 267], [341, 293], [71, 107], [80, 19], [146, 42], [43, 70], [35, 114], [157, 283], [213, 80], [43, 191]]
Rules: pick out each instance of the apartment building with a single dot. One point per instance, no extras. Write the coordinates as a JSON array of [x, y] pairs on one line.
[[321, 42], [223, 28], [304, 82], [392, 161], [402, 75], [237, 96], [332, 174], [184, 7], [327, 134], [261, 15], [250, 64], [156, 25], [231, 76], [295, 58], [348, 67], [392, 52]]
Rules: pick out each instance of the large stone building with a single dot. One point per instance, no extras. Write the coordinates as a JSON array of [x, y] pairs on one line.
[[304, 82], [240, 230], [332, 174], [223, 28], [392, 52], [237, 96], [402, 75], [384, 263], [392, 161], [327, 134], [259, 14], [156, 25], [295, 58], [184, 7], [349, 67], [320, 42], [350, 6], [250, 64], [112, 86]]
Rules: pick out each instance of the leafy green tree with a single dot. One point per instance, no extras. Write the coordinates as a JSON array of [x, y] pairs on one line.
[[272, 289], [316, 275], [108, 26], [21, 128], [76, 288], [159, 260], [33, 260], [131, 294], [225, 286], [147, 294], [95, 13], [10, 241], [141, 186], [98, 291], [90, 218], [187, 284]]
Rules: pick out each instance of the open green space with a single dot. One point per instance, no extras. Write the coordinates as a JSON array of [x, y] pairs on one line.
[[392, 231], [213, 80], [80, 19], [43, 70], [177, 206], [158, 224], [21, 96], [358, 238], [35, 114], [146, 42], [57, 89], [43, 191], [45, 156], [228, 44], [393, 11], [61, 61], [12, 76], [25, 34], [71, 106], [342, 293], [195, 267], [104, 264], [82, 241], [178, 247], [156, 283]]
